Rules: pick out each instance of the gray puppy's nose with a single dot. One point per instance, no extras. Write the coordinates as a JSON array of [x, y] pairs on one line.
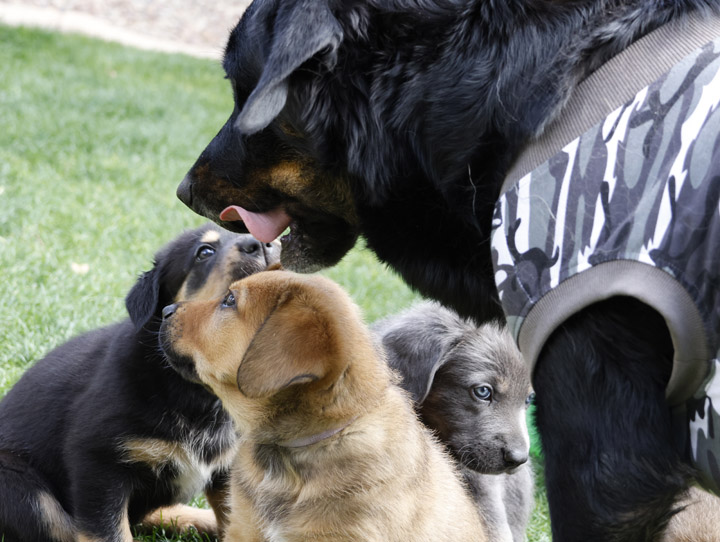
[[514, 457]]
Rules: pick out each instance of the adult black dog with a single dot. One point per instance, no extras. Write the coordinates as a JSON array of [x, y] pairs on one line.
[[102, 431], [398, 120]]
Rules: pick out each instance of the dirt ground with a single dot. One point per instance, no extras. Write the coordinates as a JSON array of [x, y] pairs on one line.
[[198, 27]]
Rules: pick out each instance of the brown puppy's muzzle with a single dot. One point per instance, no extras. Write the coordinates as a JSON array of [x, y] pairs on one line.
[[184, 365], [168, 311]]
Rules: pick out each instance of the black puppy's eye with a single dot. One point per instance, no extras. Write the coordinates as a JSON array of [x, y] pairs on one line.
[[484, 393], [204, 252], [530, 399], [229, 300]]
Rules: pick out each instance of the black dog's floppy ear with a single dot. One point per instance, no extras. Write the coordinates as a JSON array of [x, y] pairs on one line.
[[293, 346], [300, 32], [142, 300], [416, 343]]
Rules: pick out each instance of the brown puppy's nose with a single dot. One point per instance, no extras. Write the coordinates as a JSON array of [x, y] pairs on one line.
[[248, 245], [168, 311]]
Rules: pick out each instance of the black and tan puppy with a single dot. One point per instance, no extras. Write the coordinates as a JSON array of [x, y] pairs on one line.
[[399, 120], [102, 431], [472, 388], [331, 450]]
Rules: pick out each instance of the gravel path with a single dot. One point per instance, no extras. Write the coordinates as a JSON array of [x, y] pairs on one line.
[[197, 27]]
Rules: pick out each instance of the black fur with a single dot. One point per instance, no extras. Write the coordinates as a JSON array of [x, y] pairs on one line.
[[64, 424], [619, 469], [418, 107]]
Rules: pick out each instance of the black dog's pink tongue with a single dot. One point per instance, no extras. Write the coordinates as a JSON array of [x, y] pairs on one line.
[[265, 227]]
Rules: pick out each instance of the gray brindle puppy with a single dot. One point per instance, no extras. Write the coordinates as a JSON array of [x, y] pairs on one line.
[[472, 388]]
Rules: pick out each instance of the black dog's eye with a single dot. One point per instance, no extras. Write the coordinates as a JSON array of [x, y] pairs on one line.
[[204, 252], [530, 399], [229, 300], [484, 393]]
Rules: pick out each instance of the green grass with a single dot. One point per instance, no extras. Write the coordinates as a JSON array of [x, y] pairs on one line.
[[94, 139]]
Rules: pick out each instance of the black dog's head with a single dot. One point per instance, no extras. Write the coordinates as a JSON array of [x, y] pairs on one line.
[[260, 168], [328, 139], [198, 264]]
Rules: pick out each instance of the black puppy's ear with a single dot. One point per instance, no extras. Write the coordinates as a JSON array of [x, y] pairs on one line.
[[300, 32], [142, 300], [416, 343]]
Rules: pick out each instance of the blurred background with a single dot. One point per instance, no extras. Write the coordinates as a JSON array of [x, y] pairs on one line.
[[199, 28]]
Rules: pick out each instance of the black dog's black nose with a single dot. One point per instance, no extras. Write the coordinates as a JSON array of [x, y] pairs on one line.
[[514, 458], [249, 245], [168, 311], [184, 190]]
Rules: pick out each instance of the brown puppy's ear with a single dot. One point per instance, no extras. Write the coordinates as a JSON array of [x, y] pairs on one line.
[[301, 30], [293, 346]]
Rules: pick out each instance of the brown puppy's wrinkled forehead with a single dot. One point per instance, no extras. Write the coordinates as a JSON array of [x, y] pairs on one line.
[[273, 330]]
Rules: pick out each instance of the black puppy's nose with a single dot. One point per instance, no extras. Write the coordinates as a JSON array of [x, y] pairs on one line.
[[514, 458], [248, 245], [168, 311]]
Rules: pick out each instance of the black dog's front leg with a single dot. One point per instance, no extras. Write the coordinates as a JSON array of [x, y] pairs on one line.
[[100, 504], [611, 469]]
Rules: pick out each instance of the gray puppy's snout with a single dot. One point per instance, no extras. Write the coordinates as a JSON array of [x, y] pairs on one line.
[[514, 457]]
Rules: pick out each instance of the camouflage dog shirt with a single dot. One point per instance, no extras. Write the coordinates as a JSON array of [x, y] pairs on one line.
[[631, 208]]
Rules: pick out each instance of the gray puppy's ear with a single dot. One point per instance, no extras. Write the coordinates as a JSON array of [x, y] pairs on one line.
[[416, 343], [300, 32]]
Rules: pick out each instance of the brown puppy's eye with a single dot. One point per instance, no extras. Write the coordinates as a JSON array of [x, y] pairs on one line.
[[229, 300], [204, 252]]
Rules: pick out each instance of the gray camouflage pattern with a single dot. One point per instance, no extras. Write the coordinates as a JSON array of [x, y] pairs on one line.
[[642, 185]]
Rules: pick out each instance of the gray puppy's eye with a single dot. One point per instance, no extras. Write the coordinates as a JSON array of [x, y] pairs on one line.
[[204, 252], [530, 399], [484, 392]]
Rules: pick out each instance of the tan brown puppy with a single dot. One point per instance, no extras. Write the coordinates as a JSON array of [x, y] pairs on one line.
[[330, 449], [698, 521]]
